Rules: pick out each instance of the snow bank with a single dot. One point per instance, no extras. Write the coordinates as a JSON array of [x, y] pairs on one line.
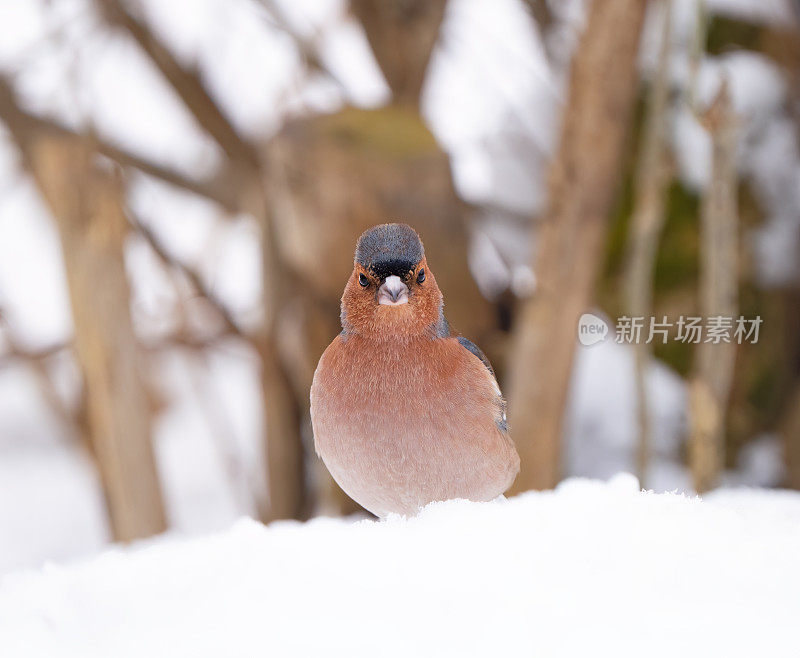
[[590, 569]]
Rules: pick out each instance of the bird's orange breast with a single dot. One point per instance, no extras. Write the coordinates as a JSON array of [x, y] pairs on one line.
[[400, 423]]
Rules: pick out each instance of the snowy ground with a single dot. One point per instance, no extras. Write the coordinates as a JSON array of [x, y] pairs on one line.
[[590, 569]]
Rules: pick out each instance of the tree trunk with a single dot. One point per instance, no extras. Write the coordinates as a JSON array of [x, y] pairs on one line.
[[284, 446], [645, 231], [583, 180], [790, 429], [402, 34], [86, 202], [711, 384]]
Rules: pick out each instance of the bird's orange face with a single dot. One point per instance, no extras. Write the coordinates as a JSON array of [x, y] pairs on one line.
[[391, 292]]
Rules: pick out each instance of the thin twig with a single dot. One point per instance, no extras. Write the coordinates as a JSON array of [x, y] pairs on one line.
[[191, 274]]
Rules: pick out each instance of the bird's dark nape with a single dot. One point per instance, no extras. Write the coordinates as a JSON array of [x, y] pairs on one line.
[[389, 249]]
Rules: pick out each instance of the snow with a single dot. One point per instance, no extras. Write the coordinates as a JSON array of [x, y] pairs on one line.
[[51, 506], [31, 268], [493, 47], [775, 12], [589, 569], [599, 443]]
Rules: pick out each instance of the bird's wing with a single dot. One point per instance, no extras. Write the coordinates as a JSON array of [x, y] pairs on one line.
[[502, 423], [477, 351]]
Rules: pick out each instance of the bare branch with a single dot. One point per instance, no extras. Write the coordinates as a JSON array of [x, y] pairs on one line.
[[231, 326], [185, 81], [308, 48], [541, 13], [24, 127], [15, 352]]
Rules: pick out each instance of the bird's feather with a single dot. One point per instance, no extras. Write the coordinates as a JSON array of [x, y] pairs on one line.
[[502, 422]]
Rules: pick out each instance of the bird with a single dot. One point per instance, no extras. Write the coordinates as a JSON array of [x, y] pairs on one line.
[[403, 411]]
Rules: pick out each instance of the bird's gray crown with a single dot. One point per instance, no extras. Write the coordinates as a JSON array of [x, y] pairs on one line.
[[389, 249]]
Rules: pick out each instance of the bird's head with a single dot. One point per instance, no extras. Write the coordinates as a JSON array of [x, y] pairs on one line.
[[391, 292]]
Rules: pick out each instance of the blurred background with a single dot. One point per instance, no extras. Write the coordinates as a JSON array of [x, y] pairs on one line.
[[183, 184]]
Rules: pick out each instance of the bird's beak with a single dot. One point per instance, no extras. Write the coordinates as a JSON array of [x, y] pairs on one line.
[[393, 292]]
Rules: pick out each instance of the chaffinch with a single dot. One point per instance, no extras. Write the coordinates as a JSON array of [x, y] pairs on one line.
[[404, 412]]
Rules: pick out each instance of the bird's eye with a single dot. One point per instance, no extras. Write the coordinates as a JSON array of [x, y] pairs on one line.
[[364, 281], [421, 276]]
